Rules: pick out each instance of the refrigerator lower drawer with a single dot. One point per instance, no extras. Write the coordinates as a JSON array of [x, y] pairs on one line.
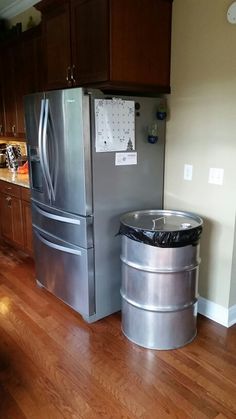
[[66, 271], [69, 227]]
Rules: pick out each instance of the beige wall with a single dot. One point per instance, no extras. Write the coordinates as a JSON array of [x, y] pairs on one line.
[[24, 18], [202, 131]]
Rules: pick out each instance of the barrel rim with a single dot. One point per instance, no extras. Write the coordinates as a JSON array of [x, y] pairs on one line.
[[167, 212]]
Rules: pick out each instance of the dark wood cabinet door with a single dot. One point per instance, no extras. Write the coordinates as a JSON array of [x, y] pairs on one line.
[[32, 61], [11, 220], [56, 43], [15, 216], [17, 223], [6, 217], [90, 41], [27, 226], [9, 93], [112, 44], [26, 73], [14, 90], [20, 74], [1, 215], [2, 118], [140, 41], [19, 86], [38, 80]]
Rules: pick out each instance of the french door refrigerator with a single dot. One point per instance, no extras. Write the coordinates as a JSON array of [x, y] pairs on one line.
[[79, 191]]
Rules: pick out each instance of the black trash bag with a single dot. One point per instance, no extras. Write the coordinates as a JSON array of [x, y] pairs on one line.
[[178, 238]]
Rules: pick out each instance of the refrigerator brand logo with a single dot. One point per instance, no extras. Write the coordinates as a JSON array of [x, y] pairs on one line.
[[70, 100]]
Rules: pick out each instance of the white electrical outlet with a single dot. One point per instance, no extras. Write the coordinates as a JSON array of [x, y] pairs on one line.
[[216, 176], [188, 172]]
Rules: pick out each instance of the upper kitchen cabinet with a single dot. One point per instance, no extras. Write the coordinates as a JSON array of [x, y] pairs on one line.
[[121, 45], [20, 75], [31, 57], [56, 43], [140, 38], [9, 91], [90, 41], [2, 118]]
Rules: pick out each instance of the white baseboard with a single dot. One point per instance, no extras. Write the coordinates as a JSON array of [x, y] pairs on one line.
[[216, 312]]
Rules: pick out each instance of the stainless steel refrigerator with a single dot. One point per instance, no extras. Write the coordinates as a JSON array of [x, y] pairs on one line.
[[79, 191]]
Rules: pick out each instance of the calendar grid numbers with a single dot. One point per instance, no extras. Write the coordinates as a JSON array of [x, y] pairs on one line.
[[114, 125]]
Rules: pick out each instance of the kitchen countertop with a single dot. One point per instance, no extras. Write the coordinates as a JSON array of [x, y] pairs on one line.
[[14, 177]]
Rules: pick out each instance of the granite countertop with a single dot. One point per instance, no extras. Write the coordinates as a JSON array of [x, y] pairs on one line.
[[14, 177]]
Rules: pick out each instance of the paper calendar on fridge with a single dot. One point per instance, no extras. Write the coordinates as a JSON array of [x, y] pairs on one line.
[[114, 125]]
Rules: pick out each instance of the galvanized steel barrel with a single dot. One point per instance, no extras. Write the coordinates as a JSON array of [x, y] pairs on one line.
[[160, 263]]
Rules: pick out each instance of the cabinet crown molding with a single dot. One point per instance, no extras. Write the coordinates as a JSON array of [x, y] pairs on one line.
[[15, 8]]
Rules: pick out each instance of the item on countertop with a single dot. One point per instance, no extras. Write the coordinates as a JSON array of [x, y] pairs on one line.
[[23, 170], [2, 159], [21, 160], [13, 153]]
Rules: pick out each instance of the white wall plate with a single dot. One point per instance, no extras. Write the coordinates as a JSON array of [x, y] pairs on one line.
[[231, 14], [216, 176], [188, 172]]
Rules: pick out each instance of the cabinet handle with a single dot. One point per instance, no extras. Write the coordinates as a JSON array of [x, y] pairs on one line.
[[1, 129], [73, 74], [8, 199], [13, 129], [68, 77]]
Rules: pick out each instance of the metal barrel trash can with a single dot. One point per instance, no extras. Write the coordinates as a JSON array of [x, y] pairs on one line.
[[160, 261]]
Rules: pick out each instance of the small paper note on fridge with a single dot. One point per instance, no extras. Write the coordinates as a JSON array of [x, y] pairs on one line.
[[126, 159]]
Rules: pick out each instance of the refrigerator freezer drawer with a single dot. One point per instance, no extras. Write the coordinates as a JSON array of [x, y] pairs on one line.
[[67, 227], [66, 271]]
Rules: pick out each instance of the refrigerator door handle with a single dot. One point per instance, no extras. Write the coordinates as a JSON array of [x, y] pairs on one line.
[[54, 170], [56, 246], [44, 148], [56, 217], [41, 117], [55, 167]]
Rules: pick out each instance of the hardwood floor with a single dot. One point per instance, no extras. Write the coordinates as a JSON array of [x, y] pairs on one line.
[[53, 365]]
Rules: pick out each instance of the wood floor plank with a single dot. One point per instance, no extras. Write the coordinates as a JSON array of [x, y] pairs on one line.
[[30, 394], [53, 365], [215, 396], [9, 409], [35, 343], [31, 343]]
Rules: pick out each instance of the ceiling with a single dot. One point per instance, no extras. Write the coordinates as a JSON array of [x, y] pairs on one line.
[[11, 8]]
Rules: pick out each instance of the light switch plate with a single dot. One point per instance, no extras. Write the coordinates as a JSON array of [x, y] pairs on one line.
[[188, 172], [216, 176]]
